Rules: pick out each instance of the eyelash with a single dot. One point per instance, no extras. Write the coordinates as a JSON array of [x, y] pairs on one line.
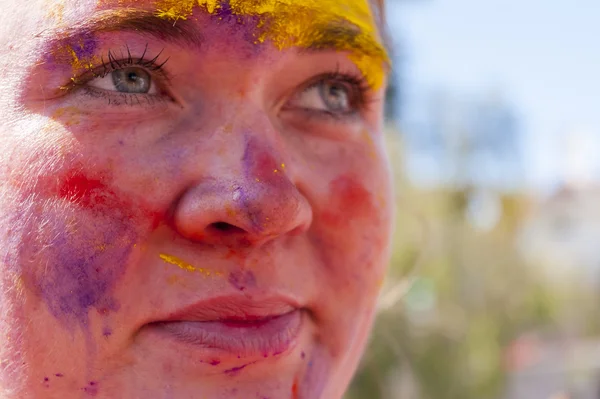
[[359, 90], [151, 65], [357, 84], [111, 63]]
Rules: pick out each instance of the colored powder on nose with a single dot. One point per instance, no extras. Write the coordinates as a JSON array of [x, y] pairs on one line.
[[259, 162]]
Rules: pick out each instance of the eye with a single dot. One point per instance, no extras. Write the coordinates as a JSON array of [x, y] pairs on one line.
[[329, 96], [133, 80]]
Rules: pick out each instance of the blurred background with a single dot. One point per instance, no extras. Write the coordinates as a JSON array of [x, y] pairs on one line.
[[494, 135]]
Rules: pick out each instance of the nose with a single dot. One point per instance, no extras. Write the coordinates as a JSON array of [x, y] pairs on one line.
[[249, 208]]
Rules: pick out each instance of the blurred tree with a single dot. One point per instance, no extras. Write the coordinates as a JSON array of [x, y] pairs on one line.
[[470, 295]]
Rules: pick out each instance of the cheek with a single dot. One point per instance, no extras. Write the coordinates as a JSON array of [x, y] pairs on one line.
[[76, 244], [93, 193], [75, 261], [350, 203], [355, 230]]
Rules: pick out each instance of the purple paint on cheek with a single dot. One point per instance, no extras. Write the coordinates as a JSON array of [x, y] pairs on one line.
[[71, 260], [242, 279], [81, 270], [71, 250]]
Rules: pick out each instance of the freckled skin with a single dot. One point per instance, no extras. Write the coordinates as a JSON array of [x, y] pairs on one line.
[[262, 198]]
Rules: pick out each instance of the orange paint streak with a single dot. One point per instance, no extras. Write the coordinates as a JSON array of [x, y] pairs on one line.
[[295, 389], [347, 197]]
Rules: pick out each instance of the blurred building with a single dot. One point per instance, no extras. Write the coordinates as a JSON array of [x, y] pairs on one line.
[[562, 234], [545, 368], [562, 231], [577, 160]]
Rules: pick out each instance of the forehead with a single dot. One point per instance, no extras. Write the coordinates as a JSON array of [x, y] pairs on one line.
[[358, 12], [277, 20], [313, 24]]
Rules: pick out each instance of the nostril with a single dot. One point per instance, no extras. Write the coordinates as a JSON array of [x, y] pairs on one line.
[[225, 227], [222, 226]]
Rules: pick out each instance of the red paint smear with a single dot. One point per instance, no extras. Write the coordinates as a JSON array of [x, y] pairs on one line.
[[93, 193], [85, 191], [295, 389], [347, 197], [231, 254]]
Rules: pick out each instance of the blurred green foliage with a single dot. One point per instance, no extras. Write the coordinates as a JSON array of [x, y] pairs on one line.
[[464, 295]]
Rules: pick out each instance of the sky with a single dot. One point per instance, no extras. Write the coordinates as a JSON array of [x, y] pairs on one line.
[[543, 55]]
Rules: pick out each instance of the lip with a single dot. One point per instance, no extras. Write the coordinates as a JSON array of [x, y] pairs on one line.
[[236, 325]]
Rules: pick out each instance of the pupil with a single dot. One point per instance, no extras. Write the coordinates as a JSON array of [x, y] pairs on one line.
[[336, 97], [132, 76], [131, 80]]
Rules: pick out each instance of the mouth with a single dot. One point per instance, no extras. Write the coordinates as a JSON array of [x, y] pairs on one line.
[[235, 325]]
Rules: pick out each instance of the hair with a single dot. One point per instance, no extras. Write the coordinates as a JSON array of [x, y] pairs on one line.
[[379, 15], [380, 6]]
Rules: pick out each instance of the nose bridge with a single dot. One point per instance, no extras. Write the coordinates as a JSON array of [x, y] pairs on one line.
[[268, 196], [254, 151], [249, 199]]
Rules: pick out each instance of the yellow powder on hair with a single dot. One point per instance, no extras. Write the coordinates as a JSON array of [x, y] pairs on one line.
[[288, 23]]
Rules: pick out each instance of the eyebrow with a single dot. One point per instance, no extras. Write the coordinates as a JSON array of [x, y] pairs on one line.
[[330, 36], [126, 20], [185, 32]]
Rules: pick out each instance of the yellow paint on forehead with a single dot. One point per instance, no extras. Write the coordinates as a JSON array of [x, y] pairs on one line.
[[288, 23]]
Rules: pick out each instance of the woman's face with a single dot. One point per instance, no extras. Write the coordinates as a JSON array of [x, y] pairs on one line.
[[194, 197]]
